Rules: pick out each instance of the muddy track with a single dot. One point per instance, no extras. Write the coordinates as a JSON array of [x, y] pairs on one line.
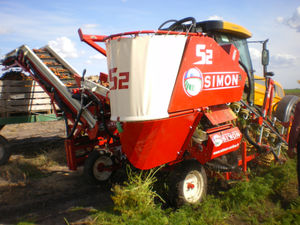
[[55, 193]]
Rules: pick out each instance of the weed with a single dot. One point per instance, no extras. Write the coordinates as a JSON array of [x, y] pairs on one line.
[[256, 201], [137, 194]]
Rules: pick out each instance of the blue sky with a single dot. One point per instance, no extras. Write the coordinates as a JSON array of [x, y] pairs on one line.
[[37, 23]]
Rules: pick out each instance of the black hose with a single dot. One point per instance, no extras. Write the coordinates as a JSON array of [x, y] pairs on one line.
[[251, 141], [175, 25], [102, 116], [75, 123], [257, 146], [168, 21], [221, 166], [106, 127]]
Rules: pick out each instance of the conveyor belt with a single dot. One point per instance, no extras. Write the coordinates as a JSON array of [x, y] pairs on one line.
[[45, 62], [57, 65]]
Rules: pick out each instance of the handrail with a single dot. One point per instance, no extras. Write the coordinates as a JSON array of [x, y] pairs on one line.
[[92, 39]]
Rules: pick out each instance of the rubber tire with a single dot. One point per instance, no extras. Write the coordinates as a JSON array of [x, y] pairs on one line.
[[285, 108], [176, 182], [89, 165], [4, 151]]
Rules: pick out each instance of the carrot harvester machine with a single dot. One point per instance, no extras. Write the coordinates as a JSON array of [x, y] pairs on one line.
[[180, 96]]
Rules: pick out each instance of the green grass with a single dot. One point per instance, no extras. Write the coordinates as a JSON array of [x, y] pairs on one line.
[[295, 91], [268, 198]]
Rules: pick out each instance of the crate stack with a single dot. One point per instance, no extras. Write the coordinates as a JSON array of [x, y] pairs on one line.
[[20, 95]]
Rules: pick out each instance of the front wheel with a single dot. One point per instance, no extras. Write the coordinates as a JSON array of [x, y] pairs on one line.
[[98, 167], [187, 183]]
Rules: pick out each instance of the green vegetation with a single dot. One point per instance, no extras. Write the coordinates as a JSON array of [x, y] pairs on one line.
[[269, 197], [292, 91]]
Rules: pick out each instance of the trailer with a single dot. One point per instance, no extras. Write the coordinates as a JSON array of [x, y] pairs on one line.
[[180, 96]]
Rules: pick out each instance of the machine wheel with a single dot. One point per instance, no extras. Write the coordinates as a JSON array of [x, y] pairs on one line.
[[187, 183], [4, 150], [286, 108], [98, 167]]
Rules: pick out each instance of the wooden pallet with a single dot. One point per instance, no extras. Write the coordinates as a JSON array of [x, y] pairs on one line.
[[23, 97]]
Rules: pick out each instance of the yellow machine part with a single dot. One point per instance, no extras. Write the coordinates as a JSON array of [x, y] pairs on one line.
[[260, 89], [236, 29]]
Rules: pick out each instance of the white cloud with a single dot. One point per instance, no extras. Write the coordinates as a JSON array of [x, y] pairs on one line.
[[65, 47], [97, 57], [215, 17], [35, 24], [293, 21], [283, 60], [280, 19]]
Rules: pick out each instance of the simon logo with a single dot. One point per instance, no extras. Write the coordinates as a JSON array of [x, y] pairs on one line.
[[193, 82]]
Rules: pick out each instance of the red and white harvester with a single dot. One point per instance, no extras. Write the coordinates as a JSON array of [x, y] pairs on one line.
[[180, 96]]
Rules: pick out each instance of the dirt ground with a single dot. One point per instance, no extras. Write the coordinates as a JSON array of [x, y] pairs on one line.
[[36, 185]]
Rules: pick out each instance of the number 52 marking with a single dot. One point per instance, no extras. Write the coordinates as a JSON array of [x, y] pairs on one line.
[[206, 55], [119, 81]]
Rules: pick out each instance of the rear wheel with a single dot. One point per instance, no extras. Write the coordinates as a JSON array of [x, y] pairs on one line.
[[286, 108], [187, 183], [98, 167], [4, 150]]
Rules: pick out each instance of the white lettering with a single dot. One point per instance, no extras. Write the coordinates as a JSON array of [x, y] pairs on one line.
[[207, 82], [235, 79], [226, 149], [214, 80], [220, 80], [206, 55], [209, 56], [231, 136], [227, 80], [201, 54]]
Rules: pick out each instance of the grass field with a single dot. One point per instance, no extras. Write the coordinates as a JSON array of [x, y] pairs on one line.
[[292, 91]]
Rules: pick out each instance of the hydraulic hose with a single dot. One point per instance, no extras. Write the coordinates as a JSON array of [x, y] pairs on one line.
[[75, 123], [257, 146], [102, 116], [221, 166], [251, 141]]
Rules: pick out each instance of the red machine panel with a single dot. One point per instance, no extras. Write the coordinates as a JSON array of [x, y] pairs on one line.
[[219, 114], [153, 143], [209, 75], [220, 143]]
